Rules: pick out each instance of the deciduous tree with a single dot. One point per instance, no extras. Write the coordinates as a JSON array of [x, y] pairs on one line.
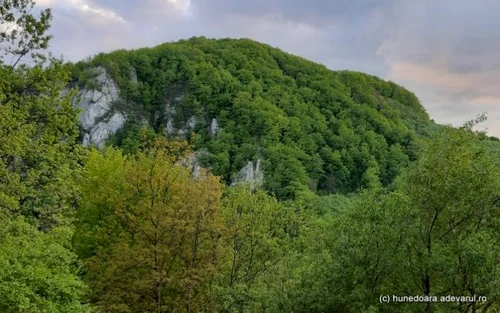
[[154, 230]]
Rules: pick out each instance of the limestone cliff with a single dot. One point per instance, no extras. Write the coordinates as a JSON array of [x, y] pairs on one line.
[[251, 174], [97, 117]]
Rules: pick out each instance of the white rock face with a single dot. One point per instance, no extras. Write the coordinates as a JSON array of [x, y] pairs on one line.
[[103, 130], [95, 105], [133, 75], [169, 113], [214, 128], [86, 140], [190, 125], [170, 127], [250, 174], [171, 130], [192, 162]]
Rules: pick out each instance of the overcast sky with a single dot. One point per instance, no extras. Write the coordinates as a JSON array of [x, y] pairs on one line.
[[446, 52]]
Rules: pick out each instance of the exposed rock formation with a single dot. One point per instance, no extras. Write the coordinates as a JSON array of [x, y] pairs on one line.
[[214, 128], [103, 130], [169, 117], [250, 174], [96, 116], [133, 75], [190, 125], [192, 162]]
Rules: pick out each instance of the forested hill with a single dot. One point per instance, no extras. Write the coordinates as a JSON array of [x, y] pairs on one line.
[[140, 229], [312, 129]]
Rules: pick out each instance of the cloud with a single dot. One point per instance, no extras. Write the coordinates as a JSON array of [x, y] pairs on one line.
[[9, 27], [273, 29], [46, 3], [340, 34], [82, 28], [183, 6], [84, 7], [317, 12], [147, 11], [98, 12], [335, 32], [446, 52]]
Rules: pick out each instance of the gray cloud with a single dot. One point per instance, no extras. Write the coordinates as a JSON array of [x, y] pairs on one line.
[[448, 50], [444, 51], [318, 12]]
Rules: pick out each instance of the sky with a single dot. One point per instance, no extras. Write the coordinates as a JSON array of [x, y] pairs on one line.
[[446, 52]]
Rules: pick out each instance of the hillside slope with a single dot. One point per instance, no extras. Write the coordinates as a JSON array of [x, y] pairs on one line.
[[256, 108]]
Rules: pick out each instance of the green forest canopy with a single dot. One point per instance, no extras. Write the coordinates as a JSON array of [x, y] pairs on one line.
[[316, 129], [130, 230]]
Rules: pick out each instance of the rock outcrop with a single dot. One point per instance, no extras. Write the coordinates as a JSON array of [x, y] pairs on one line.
[[251, 174], [214, 128], [133, 75], [103, 130], [191, 162], [182, 131], [96, 117], [190, 125]]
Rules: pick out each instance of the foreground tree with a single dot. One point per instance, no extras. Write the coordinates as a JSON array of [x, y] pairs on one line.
[[256, 239], [150, 232], [39, 159], [22, 33], [454, 189], [433, 236], [39, 154], [37, 270]]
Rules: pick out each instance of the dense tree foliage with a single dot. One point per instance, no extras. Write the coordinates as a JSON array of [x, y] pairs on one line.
[[170, 244], [37, 270], [433, 233], [258, 232], [317, 130], [366, 198], [38, 150], [39, 161], [151, 233]]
